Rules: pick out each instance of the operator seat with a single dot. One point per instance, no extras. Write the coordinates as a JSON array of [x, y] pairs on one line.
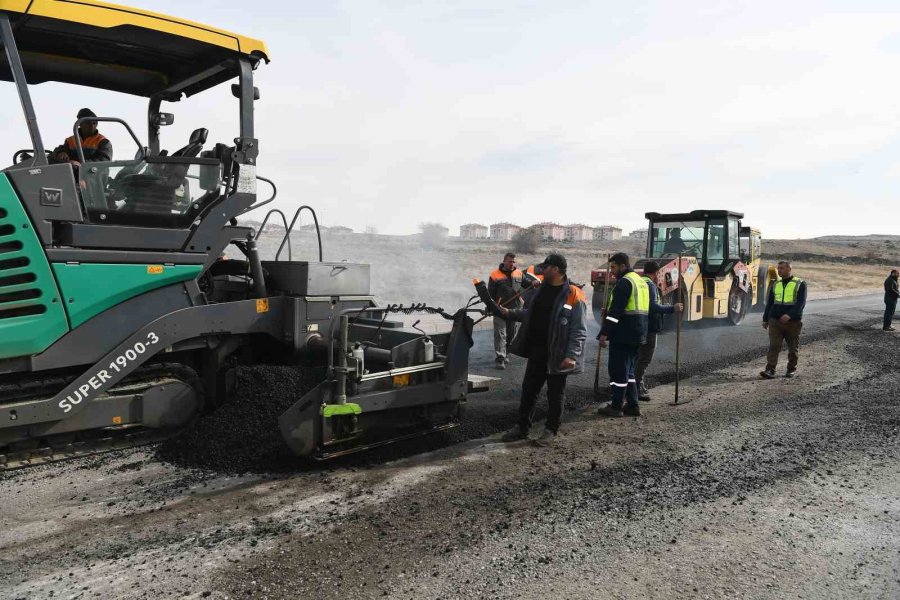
[[195, 144]]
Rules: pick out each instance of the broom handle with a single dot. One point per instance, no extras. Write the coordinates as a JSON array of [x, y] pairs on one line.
[[678, 333], [599, 347]]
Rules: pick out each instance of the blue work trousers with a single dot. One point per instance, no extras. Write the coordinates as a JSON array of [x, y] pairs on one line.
[[622, 360]]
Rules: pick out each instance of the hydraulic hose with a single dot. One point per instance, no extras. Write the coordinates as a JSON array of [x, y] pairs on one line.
[[481, 289]]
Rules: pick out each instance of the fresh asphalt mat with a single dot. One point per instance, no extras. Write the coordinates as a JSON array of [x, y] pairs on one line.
[[755, 489]]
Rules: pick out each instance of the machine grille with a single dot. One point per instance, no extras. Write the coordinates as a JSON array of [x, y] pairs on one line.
[[20, 292]]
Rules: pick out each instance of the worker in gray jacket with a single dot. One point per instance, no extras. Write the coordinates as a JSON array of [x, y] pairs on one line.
[[552, 338], [505, 286]]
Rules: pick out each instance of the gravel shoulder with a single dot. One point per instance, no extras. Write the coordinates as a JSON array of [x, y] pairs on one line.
[[752, 489]]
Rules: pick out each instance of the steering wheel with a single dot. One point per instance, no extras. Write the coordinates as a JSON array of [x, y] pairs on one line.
[[125, 176]]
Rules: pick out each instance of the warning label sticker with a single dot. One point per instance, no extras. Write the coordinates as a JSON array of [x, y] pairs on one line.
[[247, 179]]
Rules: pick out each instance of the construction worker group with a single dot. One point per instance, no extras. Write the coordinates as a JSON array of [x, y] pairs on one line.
[[541, 315]]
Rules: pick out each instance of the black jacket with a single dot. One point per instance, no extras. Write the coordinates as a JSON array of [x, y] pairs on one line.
[[776, 311], [568, 329], [891, 292], [625, 329]]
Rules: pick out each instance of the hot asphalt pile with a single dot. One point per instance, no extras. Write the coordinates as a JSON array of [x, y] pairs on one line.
[[242, 435]]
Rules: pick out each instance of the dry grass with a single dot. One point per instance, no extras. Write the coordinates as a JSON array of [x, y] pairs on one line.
[[836, 276], [860, 248]]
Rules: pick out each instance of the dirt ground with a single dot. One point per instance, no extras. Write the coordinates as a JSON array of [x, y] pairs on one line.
[[751, 489]]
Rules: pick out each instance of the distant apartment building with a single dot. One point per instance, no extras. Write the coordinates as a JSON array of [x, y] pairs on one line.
[[639, 235], [579, 233], [608, 233], [474, 231], [504, 232], [553, 232]]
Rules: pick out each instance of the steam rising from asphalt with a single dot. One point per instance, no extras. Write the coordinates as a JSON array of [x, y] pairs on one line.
[[402, 270]]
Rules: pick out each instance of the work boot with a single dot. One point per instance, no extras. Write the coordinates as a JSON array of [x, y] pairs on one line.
[[514, 435], [632, 411], [643, 393], [790, 373], [888, 329], [547, 438], [768, 374], [501, 363], [610, 411]]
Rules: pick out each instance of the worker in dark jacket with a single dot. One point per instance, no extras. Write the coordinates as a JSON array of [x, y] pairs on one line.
[[891, 293], [552, 339], [95, 146], [784, 319], [654, 326], [624, 330], [505, 287]]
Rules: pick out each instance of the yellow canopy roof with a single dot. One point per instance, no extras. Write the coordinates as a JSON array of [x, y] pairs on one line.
[[122, 48], [103, 14]]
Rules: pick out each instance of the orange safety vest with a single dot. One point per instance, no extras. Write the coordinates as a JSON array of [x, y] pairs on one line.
[[514, 279], [530, 272], [90, 145], [499, 275]]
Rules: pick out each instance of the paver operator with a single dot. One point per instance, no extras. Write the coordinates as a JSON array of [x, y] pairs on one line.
[[784, 319], [94, 144]]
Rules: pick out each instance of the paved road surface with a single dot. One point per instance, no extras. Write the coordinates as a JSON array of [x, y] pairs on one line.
[[704, 346]]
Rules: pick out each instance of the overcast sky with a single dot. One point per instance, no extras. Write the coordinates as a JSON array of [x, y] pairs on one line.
[[389, 114]]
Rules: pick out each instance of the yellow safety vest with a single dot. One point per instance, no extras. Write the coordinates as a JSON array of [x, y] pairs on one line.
[[639, 303], [786, 294]]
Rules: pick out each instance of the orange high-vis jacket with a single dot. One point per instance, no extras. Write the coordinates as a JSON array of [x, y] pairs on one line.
[[96, 148], [503, 287]]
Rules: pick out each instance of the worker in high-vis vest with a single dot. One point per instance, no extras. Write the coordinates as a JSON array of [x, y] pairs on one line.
[[624, 330], [784, 319], [552, 336]]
